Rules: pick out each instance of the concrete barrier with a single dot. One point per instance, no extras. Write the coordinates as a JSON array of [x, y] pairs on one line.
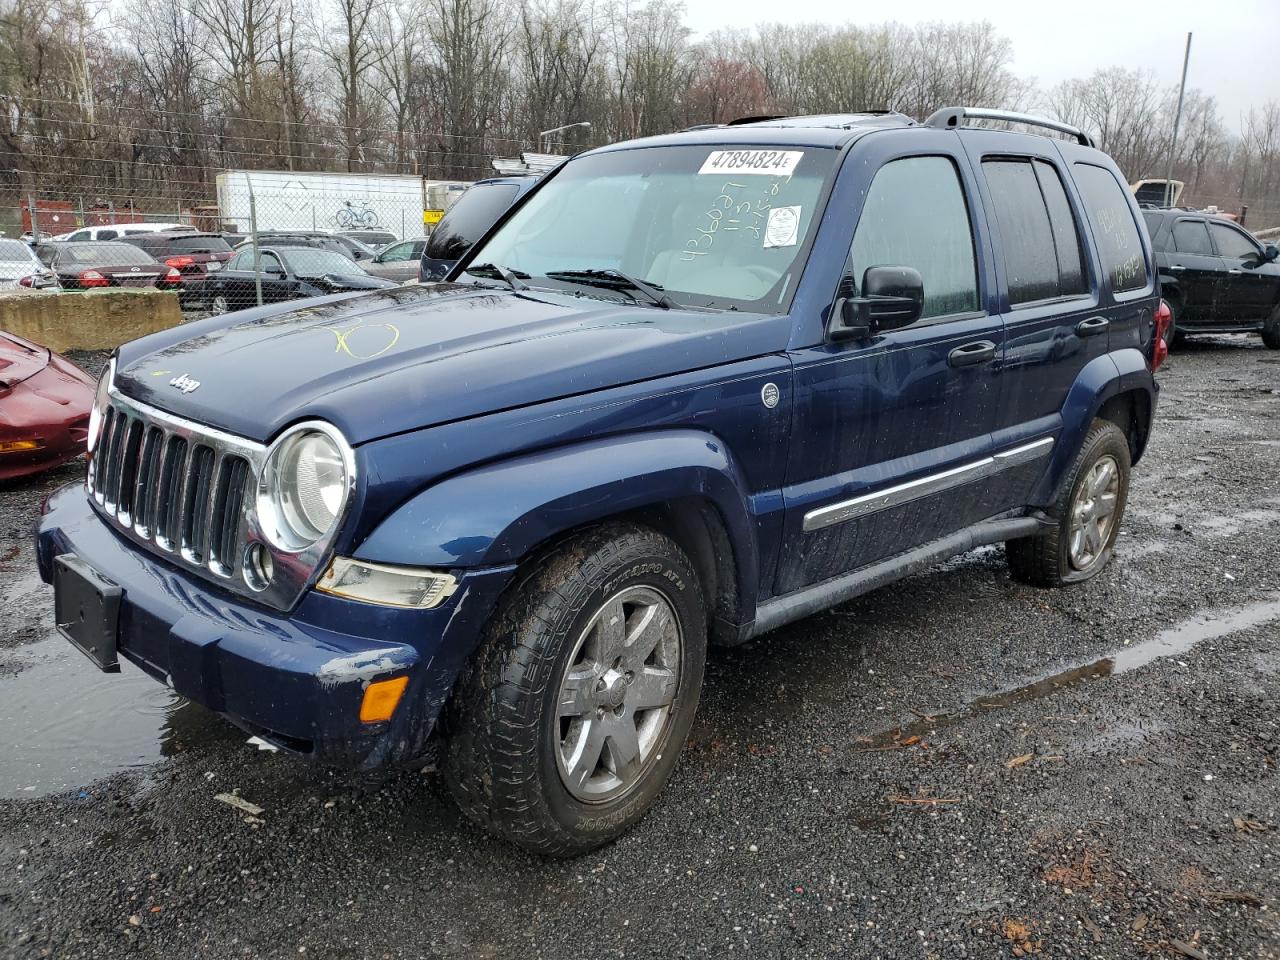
[[92, 320]]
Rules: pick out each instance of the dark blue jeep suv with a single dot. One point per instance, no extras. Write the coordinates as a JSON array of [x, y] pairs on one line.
[[690, 388]]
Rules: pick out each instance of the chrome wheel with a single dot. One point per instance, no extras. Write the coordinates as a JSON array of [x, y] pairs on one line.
[[1093, 512], [219, 306], [616, 695]]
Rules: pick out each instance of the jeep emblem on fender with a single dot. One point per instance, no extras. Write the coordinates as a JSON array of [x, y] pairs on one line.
[[185, 383], [769, 395]]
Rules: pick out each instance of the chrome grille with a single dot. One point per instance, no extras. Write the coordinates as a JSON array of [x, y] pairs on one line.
[[167, 483]]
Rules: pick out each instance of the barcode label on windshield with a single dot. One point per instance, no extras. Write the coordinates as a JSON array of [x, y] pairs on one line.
[[770, 163]]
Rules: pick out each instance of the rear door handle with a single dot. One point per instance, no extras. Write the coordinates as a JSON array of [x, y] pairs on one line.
[[1092, 326], [1234, 273], [972, 353], [1177, 268]]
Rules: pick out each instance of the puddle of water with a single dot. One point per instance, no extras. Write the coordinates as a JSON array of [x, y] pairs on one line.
[[1176, 640], [63, 724]]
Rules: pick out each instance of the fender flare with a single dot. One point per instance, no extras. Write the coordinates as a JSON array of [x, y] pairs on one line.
[[500, 512], [1104, 377]]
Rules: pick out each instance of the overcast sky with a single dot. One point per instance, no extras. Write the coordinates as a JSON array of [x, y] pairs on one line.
[[1235, 53]]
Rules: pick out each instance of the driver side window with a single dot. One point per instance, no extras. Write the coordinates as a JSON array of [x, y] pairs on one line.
[[915, 216], [1232, 243]]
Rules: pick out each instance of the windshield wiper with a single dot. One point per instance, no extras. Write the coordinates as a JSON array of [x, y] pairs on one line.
[[494, 271], [617, 280]]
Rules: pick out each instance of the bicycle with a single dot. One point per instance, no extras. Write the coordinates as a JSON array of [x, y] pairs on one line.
[[350, 217]]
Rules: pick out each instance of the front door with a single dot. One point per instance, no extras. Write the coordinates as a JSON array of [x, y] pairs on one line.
[[1249, 290], [887, 430]]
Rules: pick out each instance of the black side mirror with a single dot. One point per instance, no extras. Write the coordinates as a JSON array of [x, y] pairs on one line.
[[892, 297], [1270, 253]]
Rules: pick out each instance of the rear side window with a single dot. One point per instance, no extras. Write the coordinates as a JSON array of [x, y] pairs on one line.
[[1192, 236], [467, 220], [915, 216], [1114, 229], [1232, 243], [1037, 230]]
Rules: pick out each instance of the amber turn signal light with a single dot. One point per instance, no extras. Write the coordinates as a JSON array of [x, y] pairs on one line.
[[380, 699]]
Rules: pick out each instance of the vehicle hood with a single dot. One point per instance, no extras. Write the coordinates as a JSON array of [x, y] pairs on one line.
[[350, 281], [19, 359], [400, 359]]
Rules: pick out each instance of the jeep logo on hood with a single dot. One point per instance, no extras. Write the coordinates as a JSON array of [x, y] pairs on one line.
[[184, 383]]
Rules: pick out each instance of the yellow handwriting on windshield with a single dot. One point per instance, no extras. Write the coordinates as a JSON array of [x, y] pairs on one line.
[[364, 341]]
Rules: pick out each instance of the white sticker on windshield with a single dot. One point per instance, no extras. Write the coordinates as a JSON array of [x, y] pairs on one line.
[[783, 228], [770, 163]]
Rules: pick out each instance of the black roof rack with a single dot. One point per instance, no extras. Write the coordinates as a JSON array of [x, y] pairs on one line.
[[760, 119], [948, 118]]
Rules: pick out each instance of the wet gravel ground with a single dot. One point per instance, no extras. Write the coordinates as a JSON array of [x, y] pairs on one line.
[[954, 766]]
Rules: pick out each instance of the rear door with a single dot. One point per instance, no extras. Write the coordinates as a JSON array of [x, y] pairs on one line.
[[1199, 271], [1049, 299], [1248, 290], [890, 433]]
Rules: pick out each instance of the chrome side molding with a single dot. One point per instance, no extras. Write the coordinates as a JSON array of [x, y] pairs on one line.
[[895, 496]]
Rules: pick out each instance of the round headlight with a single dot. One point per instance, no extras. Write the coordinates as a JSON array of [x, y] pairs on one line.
[[99, 407], [303, 488]]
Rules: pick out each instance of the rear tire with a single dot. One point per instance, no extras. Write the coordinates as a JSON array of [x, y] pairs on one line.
[[1086, 515], [573, 713]]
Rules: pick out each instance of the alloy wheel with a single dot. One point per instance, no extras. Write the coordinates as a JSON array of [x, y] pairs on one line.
[[616, 695], [1093, 512]]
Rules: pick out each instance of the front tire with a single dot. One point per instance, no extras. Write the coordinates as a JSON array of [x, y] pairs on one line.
[[1086, 515], [571, 717], [1271, 331]]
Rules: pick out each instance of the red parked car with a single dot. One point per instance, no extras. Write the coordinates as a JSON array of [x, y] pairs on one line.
[[45, 403], [106, 263]]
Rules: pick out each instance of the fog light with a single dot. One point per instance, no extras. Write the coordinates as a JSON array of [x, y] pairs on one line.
[[258, 566], [388, 585], [380, 699], [16, 446]]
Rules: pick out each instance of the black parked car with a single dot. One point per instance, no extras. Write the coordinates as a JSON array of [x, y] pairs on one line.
[[288, 273], [1215, 276], [196, 256]]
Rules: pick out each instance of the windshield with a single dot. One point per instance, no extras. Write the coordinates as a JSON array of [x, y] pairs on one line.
[[307, 262], [467, 220], [105, 254], [11, 250], [712, 226]]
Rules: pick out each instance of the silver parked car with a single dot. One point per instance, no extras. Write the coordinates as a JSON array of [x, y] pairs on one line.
[[399, 261], [19, 262]]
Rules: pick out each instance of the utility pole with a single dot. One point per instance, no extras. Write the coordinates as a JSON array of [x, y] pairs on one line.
[[1177, 121]]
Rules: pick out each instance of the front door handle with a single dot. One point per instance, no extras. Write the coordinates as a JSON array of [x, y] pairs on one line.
[[972, 353], [1177, 268], [1092, 326], [1234, 273]]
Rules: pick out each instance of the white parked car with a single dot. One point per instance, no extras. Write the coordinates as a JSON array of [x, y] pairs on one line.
[[114, 231]]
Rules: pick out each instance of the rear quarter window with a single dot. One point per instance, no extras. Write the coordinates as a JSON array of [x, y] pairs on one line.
[[1114, 230]]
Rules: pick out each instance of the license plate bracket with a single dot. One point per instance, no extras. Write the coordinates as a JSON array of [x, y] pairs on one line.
[[86, 608]]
